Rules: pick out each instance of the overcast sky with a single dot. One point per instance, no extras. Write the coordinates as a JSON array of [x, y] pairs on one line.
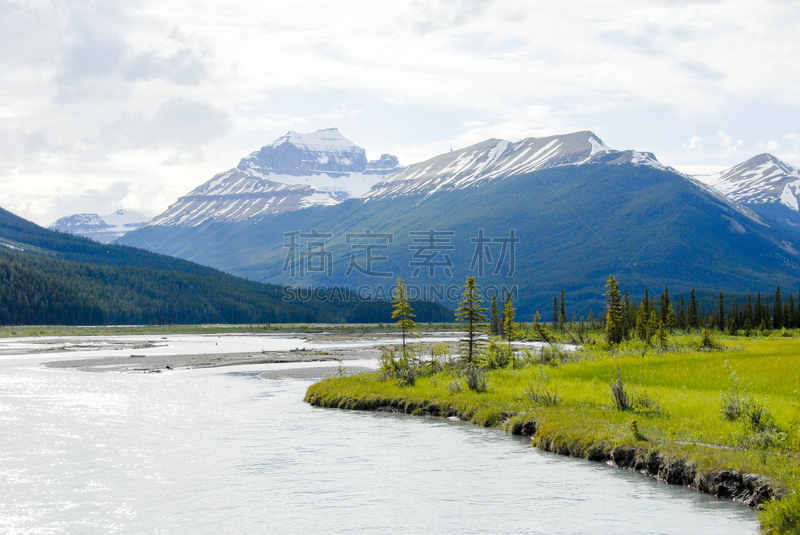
[[131, 104]]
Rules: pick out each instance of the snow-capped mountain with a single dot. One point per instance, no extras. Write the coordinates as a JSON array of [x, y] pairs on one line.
[[104, 229], [760, 180], [297, 171], [496, 159]]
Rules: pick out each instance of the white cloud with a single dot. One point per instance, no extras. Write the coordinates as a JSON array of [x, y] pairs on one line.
[[99, 79], [770, 146], [693, 144]]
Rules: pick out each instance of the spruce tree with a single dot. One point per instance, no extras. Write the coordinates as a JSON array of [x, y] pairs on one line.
[[614, 327], [562, 313], [470, 313], [693, 313], [758, 313], [555, 313], [495, 317], [509, 327], [403, 313], [777, 310], [721, 313]]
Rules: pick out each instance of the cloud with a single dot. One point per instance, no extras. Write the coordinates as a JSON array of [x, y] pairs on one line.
[[405, 76], [694, 143], [770, 146], [728, 146]]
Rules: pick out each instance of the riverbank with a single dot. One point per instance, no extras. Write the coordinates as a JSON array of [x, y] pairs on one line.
[[675, 431], [166, 363], [351, 329]]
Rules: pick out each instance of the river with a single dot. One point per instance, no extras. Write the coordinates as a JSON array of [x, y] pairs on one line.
[[222, 451]]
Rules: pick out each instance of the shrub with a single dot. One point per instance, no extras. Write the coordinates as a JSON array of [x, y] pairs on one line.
[[538, 394], [405, 369], [618, 394], [708, 342], [476, 379], [496, 356], [630, 401]]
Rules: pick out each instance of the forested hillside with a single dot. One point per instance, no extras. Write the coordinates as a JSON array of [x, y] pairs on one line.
[[53, 278]]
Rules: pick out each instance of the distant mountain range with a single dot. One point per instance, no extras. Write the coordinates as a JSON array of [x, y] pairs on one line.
[[536, 215], [103, 229]]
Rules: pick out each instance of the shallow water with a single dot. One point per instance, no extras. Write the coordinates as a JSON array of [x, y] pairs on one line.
[[222, 451]]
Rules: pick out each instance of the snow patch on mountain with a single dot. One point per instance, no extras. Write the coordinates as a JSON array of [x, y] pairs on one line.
[[760, 180], [496, 159], [295, 172]]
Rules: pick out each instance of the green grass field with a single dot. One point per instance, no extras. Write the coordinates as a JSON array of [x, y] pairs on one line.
[[686, 422]]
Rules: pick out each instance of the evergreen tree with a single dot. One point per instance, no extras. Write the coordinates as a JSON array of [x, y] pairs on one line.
[[495, 317], [562, 316], [509, 327], [401, 311], [733, 317], [792, 313], [470, 313], [642, 322], [555, 312], [777, 310], [614, 327], [693, 313], [628, 316], [666, 314], [758, 313], [721, 313]]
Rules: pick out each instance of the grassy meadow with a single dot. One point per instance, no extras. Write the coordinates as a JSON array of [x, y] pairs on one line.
[[732, 406]]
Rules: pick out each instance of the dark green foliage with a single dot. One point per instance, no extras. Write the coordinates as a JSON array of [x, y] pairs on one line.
[[496, 329], [615, 329], [60, 279], [470, 313], [693, 312]]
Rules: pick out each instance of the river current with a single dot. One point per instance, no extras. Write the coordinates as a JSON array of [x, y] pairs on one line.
[[223, 451]]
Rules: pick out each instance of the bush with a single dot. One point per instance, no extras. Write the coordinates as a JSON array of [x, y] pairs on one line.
[[405, 369], [476, 379], [638, 403], [709, 343], [735, 401], [618, 394], [538, 394], [496, 356]]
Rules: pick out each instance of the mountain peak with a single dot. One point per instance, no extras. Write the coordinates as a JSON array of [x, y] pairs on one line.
[[763, 179], [496, 159], [326, 139]]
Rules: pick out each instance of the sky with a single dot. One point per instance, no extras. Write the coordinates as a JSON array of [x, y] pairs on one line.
[[129, 104]]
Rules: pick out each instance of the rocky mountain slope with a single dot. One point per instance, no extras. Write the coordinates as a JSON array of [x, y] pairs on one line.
[[766, 185], [297, 171]]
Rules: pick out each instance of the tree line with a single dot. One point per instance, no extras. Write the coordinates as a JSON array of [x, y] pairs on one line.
[[44, 290], [625, 319]]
